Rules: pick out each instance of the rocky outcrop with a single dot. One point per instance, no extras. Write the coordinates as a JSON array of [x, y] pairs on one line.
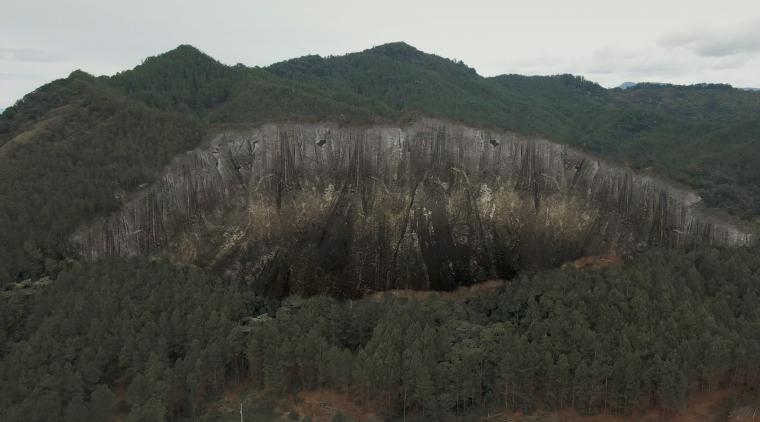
[[322, 208]]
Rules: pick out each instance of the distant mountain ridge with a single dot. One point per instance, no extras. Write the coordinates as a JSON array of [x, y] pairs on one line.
[[626, 85]]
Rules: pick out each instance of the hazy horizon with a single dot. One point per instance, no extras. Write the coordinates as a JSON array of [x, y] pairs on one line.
[[679, 42]]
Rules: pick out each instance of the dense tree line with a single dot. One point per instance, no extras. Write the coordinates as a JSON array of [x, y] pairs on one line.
[[150, 335], [158, 342], [601, 341]]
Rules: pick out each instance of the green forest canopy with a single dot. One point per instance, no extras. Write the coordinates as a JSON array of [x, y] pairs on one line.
[[616, 340]]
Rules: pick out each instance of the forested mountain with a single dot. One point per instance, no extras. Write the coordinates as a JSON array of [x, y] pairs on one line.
[[151, 340], [705, 136], [71, 149]]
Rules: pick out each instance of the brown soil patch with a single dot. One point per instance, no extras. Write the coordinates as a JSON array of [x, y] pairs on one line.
[[701, 407], [745, 414], [322, 405], [595, 261], [458, 294], [585, 263], [233, 391], [120, 409]]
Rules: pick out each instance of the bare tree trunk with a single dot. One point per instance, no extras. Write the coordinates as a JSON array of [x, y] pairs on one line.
[[404, 410], [506, 394]]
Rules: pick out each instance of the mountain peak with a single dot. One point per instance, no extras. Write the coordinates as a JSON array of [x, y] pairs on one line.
[[183, 58], [179, 79], [184, 51], [396, 49]]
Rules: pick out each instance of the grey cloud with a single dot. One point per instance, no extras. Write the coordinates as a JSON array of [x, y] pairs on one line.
[[18, 77], [721, 48], [727, 63], [717, 43], [677, 40], [635, 69], [633, 62], [29, 55]]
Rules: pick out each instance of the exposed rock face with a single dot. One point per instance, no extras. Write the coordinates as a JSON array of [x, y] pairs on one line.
[[303, 208]]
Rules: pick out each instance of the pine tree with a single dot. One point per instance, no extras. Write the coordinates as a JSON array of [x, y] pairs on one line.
[[102, 401]]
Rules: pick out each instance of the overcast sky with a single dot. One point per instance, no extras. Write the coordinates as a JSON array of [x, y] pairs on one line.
[[607, 41]]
